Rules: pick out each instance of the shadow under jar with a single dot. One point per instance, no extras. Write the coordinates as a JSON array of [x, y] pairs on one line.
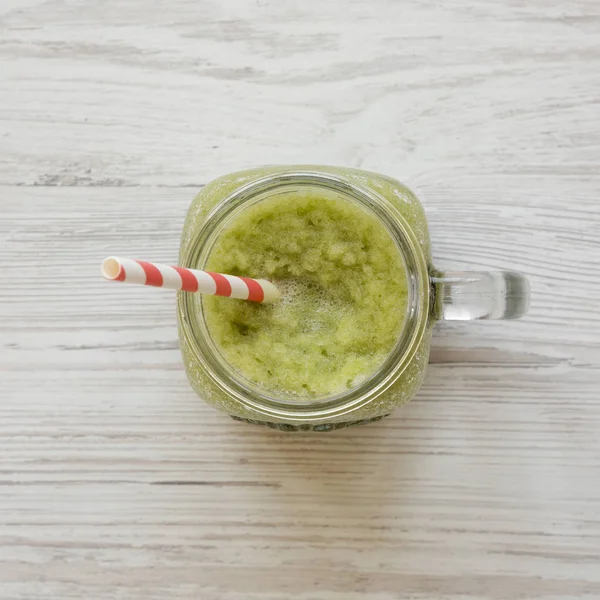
[[430, 296]]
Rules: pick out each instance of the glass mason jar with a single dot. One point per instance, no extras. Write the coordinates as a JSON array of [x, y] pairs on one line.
[[432, 295]]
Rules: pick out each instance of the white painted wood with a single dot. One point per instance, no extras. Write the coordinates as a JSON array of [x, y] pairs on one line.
[[116, 481]]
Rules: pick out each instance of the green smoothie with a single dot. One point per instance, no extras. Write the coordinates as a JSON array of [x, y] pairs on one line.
[[344, 284], [344, 294]]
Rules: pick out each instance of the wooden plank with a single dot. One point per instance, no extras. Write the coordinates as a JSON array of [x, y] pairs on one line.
[[118, 481], [112, 93]]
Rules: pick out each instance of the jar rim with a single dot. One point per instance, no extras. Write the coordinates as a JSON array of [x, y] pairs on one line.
[[258, 400]]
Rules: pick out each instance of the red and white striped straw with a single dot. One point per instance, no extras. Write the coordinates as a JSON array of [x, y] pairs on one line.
[[189, 280]]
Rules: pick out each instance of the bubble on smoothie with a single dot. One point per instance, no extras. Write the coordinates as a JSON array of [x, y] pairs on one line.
[[344, 295]]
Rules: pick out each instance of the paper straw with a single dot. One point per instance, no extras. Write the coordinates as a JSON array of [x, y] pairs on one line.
[[189, 280]]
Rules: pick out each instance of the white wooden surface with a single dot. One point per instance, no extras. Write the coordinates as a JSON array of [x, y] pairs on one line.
[[116, 481]]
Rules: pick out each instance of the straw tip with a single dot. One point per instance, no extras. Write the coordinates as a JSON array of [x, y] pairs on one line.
[[111, 268], [271, 292]]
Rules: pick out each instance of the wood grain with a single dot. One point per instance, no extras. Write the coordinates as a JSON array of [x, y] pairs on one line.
[[116, 481]]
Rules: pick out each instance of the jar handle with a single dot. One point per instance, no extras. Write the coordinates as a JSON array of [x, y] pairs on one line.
[[468, 295]]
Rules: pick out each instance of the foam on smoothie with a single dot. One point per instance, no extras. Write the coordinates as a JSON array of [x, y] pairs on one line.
[[344, 294]]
